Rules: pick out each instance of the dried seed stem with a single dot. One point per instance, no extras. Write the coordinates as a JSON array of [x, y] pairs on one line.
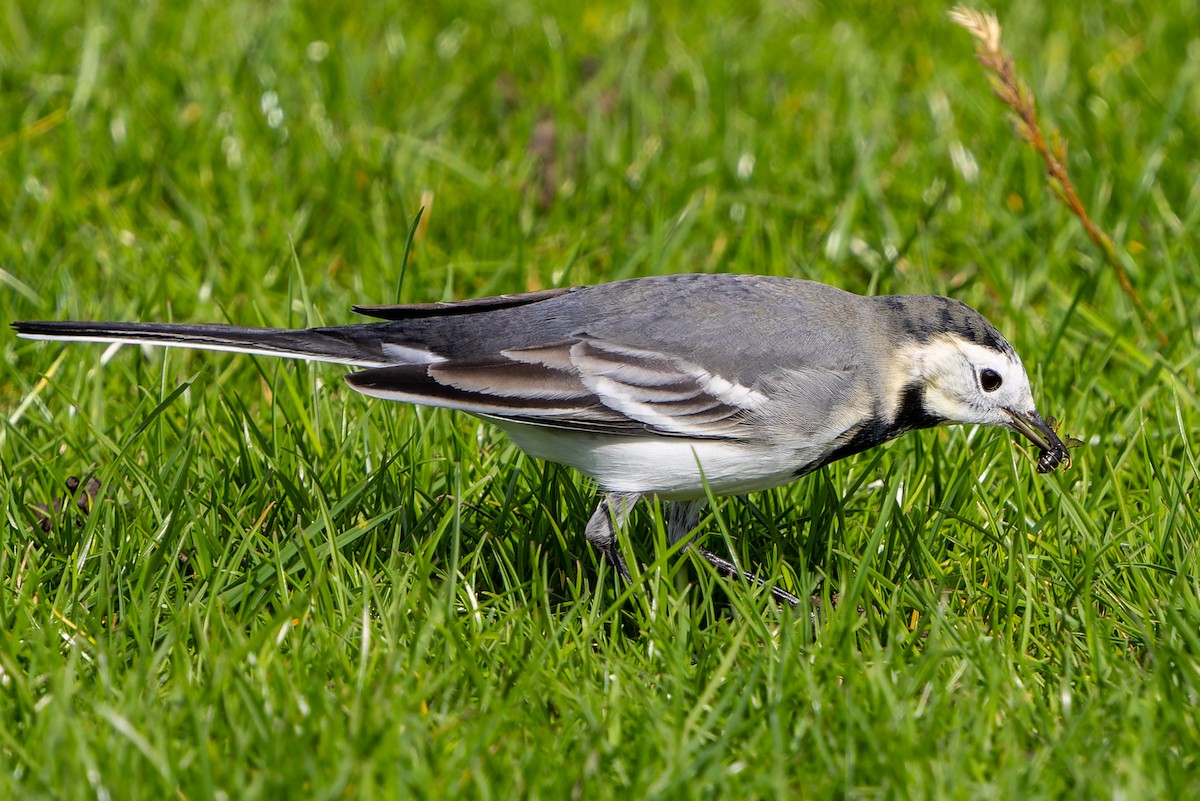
[[1015, 94]]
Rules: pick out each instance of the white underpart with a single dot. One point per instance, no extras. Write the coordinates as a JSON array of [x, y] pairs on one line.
[[674, 469]]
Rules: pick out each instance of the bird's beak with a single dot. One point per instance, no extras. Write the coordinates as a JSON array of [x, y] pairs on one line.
[[1039, 432]]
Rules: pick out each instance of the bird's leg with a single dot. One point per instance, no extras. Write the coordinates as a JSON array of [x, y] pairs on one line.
[[682, 518], [727, 568], [601, 530]]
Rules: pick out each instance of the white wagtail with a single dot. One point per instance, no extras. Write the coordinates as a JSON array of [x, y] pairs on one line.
[[665, 386]]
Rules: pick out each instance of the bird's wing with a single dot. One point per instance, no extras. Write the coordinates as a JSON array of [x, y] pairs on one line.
[[581, 384], [412, 311]]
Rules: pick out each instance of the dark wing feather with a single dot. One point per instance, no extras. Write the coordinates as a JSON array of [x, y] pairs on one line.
[[579, 384], [412, 311]]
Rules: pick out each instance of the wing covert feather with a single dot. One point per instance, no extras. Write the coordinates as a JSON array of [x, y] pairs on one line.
[[585, 384]]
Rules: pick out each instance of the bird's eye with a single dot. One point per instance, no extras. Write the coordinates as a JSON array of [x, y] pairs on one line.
[[990, 380]]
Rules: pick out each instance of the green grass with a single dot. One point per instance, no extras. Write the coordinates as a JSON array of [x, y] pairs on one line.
[[284, 589]]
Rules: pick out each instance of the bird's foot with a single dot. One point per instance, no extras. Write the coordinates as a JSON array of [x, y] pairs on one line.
[[729, 569]]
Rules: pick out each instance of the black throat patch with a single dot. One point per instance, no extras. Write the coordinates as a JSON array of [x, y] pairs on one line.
[[910, 416]]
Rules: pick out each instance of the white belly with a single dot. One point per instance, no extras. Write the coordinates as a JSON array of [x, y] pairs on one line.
[[673, 468]]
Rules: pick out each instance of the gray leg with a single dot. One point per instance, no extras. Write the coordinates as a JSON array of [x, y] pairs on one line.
[[601, 530], [727, 568], [682, 519]]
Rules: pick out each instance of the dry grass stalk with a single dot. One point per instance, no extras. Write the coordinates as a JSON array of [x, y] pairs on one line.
[[1015, 94]]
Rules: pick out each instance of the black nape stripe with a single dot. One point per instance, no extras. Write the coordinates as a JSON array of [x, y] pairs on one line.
[[925, 317]]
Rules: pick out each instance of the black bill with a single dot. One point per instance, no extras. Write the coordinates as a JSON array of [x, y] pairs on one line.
[[1052, 451]]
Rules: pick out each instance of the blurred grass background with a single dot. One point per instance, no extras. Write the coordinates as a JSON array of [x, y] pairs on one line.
[[283, 589]]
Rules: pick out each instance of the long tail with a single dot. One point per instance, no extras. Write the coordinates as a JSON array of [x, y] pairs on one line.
[[356, 345]]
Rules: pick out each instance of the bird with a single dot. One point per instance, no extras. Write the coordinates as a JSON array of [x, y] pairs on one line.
[[666, 387]]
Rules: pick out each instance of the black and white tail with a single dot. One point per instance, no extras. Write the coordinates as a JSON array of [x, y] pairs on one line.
[[340, 345]]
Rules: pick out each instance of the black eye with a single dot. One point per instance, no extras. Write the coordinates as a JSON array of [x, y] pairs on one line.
[[990, 380]]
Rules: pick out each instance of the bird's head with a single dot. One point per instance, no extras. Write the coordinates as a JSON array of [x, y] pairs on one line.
[[968, 373]]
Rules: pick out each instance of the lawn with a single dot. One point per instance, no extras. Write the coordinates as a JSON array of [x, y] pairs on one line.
[[269, 586]]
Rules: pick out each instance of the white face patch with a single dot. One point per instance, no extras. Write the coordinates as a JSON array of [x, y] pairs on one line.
[[963, 382]]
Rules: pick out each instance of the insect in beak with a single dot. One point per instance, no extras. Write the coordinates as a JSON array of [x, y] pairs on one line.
[[1052, 451]]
